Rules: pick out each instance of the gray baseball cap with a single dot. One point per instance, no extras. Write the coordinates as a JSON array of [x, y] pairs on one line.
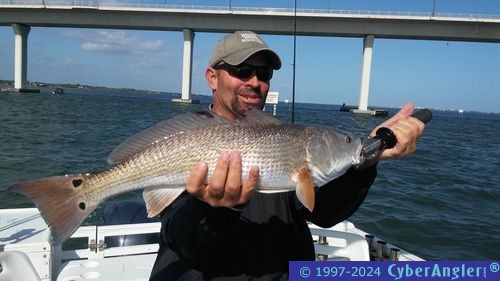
[[235, 48]]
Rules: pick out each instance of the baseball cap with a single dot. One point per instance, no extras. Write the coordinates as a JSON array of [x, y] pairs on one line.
[[235, 48]]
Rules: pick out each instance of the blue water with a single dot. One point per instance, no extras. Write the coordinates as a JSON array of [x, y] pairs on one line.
[[440, 203]]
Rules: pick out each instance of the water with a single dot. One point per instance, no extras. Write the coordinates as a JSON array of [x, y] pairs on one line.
[[440, 203]]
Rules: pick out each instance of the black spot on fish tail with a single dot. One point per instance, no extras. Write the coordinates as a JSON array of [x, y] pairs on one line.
[[59, 202], [82, 206], [77, 182]]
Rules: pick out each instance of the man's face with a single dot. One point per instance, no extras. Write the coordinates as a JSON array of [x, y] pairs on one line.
[[233, 96]]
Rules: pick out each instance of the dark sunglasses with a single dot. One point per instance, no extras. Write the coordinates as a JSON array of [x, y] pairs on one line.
[[245, 71]]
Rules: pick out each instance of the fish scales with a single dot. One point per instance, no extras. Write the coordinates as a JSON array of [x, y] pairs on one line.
[[273, 148], [289, 157]]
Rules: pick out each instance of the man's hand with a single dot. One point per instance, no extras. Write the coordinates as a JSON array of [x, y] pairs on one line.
[[226, 188], [407, 130]]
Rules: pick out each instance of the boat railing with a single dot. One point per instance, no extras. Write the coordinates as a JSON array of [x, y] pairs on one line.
[[336, 245], [95, 237]]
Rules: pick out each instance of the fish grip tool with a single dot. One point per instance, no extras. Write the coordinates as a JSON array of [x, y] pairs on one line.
[[385, 138]]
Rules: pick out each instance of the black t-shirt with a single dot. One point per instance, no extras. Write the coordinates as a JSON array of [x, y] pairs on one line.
[[200, 242]]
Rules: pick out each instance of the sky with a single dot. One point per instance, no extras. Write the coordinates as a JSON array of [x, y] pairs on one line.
[[434, 74]]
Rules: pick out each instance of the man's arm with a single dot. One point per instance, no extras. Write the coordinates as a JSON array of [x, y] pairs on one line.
[[340, 198]]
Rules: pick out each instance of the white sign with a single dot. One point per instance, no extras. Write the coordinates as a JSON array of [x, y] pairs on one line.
[[272, 97]]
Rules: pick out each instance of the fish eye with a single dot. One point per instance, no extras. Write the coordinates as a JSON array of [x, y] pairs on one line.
[[348, 139]]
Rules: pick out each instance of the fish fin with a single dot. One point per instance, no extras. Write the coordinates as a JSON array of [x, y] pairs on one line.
[[305, 189], [257, 116], [59, 203], [179, 123], [158, 198]]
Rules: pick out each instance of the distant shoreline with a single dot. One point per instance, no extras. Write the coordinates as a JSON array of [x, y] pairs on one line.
[[8, 84]]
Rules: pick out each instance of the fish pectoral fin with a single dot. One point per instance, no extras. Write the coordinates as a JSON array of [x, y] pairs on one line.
[[305, 188], [158, 198]]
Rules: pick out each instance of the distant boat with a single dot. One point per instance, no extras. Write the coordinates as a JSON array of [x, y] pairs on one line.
[[354, 109], [58, 91], [460, 111], [347, 108]]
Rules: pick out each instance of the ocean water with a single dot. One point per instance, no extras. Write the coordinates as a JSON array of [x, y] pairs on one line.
[[441, 203]]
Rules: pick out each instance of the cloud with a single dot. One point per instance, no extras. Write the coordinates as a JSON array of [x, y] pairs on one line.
[[133, 52], [90, 46], [152, 45], [116, 42]]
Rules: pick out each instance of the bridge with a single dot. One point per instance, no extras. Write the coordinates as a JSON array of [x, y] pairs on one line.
[[22, 14]]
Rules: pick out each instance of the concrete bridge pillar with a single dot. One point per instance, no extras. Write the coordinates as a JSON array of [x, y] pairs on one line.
[[187, 64], [20, 56], [365, 72]]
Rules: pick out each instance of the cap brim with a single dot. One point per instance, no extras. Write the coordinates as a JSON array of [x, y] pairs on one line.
[[241, 56]]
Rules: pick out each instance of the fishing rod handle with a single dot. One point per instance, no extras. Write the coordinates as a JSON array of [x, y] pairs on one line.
[[424, 115], [387, 136]]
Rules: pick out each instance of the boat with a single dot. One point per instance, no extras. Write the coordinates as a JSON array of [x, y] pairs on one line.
[[354, 109], [92, 252], [347, 108], [57, 91]]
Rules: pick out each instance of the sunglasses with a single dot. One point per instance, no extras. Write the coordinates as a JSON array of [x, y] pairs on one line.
[[245, 71]]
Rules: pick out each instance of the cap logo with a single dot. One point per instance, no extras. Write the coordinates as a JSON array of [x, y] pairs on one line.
[[250, 37]]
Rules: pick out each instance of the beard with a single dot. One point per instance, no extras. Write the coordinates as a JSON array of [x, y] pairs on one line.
[[247, 98]]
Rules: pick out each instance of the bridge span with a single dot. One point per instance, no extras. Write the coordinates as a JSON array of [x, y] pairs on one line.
[[22, 14]]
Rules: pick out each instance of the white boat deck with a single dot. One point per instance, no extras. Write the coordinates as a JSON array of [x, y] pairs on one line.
[[27, 251], [129, 268]]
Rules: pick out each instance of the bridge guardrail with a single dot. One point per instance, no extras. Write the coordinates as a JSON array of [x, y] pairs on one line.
[[95, 4], [48, 3]]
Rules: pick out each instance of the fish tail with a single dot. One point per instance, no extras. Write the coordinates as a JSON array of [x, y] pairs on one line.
[[59, 202]]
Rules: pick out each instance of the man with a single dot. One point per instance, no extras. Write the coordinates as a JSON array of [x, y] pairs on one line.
[[222, 230]]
